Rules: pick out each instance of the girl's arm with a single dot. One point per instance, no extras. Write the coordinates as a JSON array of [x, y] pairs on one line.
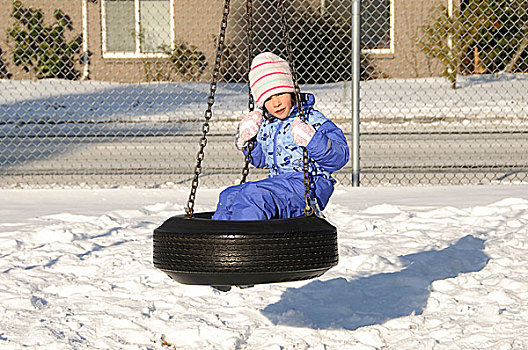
[[328, 147], [257, 156]]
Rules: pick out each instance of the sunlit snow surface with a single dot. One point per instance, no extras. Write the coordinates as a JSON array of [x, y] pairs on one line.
[[420, 268]]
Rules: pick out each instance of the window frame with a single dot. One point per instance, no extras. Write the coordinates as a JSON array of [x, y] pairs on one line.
[[389, 50], [137, 53]]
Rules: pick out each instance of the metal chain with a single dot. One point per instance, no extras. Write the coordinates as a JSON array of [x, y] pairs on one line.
[[308, 209], [208, 113], [251, 103]]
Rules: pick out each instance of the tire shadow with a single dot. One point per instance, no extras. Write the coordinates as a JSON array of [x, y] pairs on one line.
[[342, 304]]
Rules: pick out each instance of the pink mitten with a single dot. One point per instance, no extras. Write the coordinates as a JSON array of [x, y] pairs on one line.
[[302, 132], [248, 128]]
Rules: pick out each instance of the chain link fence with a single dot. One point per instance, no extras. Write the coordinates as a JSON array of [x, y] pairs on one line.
[[452, 102], [102, 93]]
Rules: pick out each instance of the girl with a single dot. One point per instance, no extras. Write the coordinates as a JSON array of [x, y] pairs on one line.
[[280, 136]]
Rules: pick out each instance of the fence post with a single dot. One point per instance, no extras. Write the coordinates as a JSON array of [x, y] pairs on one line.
[[356, 78]]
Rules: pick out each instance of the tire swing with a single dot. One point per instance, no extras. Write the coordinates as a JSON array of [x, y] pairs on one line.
[[194, 249]]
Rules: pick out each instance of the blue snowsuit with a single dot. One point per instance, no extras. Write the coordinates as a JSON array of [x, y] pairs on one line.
[[281, 195]]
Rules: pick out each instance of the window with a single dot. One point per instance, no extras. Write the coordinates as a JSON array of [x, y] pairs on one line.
[[137, 28], [377, 26]]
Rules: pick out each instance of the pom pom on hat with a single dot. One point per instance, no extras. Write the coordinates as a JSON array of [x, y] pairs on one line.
[[269, 75]]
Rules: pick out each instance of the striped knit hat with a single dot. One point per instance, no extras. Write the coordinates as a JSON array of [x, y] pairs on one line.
[[269, 75]]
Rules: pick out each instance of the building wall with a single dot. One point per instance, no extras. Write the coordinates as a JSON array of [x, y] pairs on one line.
[[407, 61], [197, 23]]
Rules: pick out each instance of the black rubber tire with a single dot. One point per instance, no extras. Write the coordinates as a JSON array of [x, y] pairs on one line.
[[202, 251]]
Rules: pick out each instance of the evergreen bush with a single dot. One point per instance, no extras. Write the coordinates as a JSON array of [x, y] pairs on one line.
[[42, 48], [4, 74], [495, 30], [184, 62]]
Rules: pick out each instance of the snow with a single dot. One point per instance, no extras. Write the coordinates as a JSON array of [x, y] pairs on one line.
[[488, 99], [427, 267]]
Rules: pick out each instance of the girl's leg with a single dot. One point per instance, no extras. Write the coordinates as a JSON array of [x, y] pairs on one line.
[[225, 201], [273, 198]]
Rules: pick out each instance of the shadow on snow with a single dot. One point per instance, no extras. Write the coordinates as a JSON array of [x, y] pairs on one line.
[[43, 126], [108, 103], [339, 303]]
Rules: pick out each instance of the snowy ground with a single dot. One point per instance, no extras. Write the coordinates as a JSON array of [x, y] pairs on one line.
[[420, 268]]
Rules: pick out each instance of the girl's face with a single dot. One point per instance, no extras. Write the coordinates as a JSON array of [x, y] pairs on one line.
[[279, 105]]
